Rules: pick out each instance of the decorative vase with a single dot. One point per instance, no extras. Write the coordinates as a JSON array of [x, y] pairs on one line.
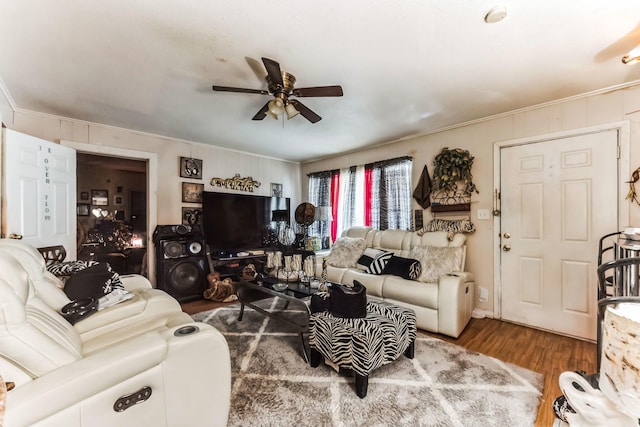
[[323, 278]]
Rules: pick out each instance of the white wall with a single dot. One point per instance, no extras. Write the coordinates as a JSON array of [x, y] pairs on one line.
[[217, 162], [479, 138]]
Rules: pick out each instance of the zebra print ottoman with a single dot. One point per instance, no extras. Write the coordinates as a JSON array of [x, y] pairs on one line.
[[363, 344]]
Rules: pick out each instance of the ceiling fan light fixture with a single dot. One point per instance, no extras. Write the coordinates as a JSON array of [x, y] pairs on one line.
[[633, 57], [276, 106], [291, 111]]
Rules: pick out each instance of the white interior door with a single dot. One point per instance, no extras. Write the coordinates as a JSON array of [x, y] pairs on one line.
[[558, 198], [40, 191]]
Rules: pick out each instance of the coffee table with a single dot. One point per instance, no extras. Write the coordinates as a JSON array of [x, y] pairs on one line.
[[295, 295]]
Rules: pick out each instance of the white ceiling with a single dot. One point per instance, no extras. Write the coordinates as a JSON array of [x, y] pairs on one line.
[[406, 67]]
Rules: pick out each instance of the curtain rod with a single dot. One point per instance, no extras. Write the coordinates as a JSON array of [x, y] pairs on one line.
[[380, 162]]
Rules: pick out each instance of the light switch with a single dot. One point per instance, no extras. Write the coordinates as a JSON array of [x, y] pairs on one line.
[[484, 214]]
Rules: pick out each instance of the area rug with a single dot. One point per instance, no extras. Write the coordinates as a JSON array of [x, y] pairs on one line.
[[444, 385]]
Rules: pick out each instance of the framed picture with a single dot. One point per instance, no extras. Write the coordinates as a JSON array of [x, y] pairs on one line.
[[418, 219], [190, 168], [276, 190], [119, 189], [83, 208], [84, 195], [191, 192], [118, 200], [100, 197], [191, 216]]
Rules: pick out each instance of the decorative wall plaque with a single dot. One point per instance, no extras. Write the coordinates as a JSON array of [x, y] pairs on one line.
[[236, 183]]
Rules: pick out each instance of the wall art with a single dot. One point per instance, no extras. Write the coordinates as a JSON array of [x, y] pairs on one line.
[[100, 197], [192, 192], [83, 209], [84, 195], [236, 183], [118, 200], [190, 168], [276, 190], [191, 216]]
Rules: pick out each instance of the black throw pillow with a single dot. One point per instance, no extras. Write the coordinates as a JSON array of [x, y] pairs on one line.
[[95, 282], [407, 268]]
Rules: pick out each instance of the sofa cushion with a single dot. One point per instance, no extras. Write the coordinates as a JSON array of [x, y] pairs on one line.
[[437, 261], [415, 293], [373, 261], [346, 251], [407, 268]]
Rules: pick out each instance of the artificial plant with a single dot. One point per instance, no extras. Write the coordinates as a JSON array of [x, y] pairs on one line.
[[453, 166]]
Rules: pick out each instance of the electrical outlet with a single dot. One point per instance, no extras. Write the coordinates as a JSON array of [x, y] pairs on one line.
[[484, 214]]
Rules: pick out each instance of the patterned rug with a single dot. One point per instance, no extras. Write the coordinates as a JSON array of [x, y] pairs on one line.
[[444, 385]]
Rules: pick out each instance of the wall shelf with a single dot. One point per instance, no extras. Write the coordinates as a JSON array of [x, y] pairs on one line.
[[456, 207]]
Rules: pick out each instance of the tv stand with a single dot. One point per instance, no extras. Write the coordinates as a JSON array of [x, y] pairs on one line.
[[232, 266]]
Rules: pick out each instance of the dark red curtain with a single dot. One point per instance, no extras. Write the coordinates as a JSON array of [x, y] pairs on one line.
[[368, 179], [335, 197]]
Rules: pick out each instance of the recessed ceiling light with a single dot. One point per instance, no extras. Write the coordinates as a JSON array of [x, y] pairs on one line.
[[496, 14]]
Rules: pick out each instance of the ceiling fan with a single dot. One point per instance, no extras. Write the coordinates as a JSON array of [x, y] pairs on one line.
[[280, 86]]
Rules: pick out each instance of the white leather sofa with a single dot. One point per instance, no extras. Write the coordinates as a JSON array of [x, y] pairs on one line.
[[149, 309], [443, 307], [178, 370]]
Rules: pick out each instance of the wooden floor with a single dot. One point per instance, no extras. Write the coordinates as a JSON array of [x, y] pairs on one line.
[[540, 351]]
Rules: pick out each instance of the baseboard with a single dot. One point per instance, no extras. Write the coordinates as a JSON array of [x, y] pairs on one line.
[[481, 314]]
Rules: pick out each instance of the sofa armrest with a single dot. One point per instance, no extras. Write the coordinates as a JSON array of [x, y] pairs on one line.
[[455, 302], [135, 281], [73, 383], [84, 392]]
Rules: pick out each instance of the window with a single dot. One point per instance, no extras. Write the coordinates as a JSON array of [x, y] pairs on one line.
[[377, 195]]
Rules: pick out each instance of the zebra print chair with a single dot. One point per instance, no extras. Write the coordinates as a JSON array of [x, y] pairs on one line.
[[363, 344]]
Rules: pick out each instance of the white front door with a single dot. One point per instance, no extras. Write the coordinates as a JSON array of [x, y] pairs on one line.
[[40, 192], [558, 198]]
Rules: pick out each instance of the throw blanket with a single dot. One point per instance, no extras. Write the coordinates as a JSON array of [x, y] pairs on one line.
[[450, 226]]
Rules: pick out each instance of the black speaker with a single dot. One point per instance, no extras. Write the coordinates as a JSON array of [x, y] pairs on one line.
[[177, 231], [182, 265]]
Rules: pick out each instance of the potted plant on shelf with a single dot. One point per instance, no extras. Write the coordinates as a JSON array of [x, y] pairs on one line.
[[452, 179]]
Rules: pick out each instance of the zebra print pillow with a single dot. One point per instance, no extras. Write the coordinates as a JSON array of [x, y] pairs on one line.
[[373, 261], [406, 268]]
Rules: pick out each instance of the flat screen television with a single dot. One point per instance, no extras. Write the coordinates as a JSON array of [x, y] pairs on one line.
[[239, 222]]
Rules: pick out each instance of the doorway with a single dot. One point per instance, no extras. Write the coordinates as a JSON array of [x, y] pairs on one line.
[[559, 195], [113, 226], [148, 184]]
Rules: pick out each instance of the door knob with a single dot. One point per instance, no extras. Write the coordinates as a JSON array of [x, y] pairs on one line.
[[507, 235], [506, 248], [15, 236]]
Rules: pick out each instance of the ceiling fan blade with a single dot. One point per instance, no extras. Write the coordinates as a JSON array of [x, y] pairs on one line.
[[318, 91], [273, 71], [239, 89], [305, 111], [262, 113]]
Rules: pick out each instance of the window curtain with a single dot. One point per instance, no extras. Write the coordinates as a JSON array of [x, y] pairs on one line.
[[351, 202], [391, 194], [376, 195], [320, 196]]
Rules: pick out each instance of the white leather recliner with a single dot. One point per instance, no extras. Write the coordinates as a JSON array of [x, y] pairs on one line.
[[149, 309], [164, 376]]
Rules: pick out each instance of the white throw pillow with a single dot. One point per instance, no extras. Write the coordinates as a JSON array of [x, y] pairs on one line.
[[436, 261], [346, 251]]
